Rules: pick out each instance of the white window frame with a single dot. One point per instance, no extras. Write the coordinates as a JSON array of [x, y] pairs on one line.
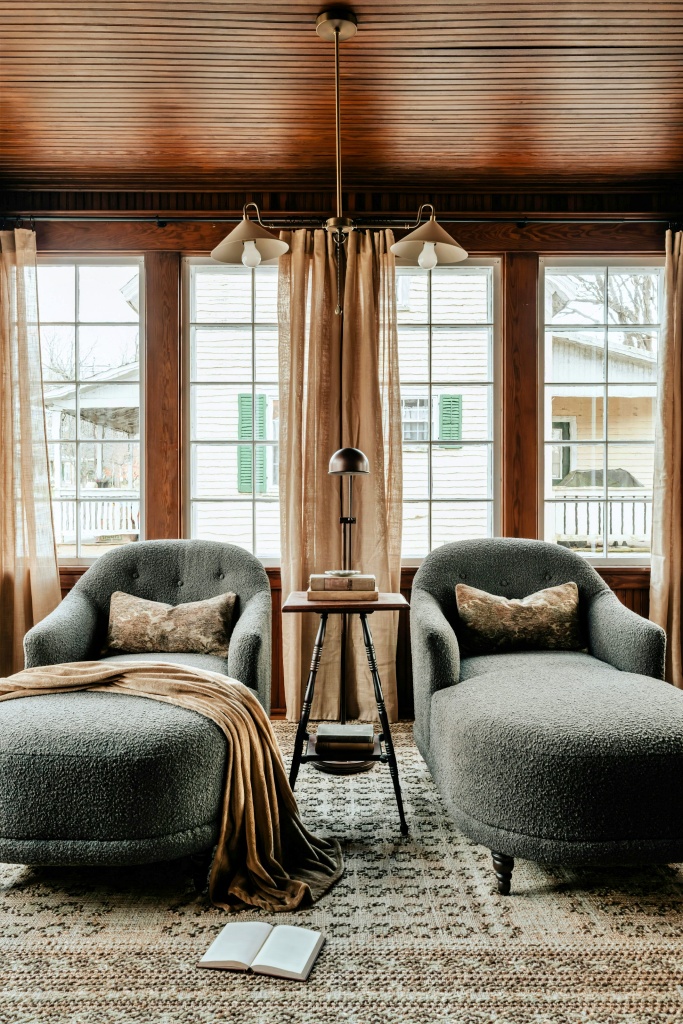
[[189, 261], [495, 262], [117, 260], [594, 260]]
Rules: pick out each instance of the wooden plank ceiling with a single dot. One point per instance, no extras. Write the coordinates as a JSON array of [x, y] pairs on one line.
[[231, 94]]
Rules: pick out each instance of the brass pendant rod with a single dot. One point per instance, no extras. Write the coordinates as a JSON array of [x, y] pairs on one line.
[[337, 106]]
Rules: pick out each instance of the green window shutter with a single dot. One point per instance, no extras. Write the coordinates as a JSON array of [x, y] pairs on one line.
[[245, 453], [450, 417], [260, 448]]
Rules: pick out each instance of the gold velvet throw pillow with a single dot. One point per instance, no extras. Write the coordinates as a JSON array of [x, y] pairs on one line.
[[137, 626], [547, 620]]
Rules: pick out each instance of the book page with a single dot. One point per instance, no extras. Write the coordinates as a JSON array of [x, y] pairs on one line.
[[288, 952], [237, 945]]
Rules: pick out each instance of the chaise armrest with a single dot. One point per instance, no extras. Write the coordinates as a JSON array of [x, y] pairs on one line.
[[436, 656], [623, 639], [249, 653], [66, 634]]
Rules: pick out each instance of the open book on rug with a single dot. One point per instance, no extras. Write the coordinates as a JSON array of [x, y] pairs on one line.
[[281, 951]]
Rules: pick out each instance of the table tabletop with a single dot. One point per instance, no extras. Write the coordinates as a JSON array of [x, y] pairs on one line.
[[298, 602]]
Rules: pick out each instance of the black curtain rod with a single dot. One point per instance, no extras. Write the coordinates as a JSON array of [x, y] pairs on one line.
[[309, 222]]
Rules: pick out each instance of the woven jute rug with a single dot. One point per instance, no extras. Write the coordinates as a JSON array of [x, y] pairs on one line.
[[416, 933]]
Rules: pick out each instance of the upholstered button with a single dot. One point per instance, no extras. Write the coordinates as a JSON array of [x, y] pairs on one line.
[[461, 575], [505, 583], [547, 578], [136, 575], [220, 575], [179, 583]]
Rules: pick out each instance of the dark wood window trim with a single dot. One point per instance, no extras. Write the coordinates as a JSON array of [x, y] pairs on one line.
[[520, 248]]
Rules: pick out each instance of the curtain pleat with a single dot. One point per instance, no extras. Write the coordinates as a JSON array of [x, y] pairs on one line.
[[666, 581], [29, 576], [338, 390]]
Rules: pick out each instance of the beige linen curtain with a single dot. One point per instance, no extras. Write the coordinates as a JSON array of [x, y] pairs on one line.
[[666, 584], [338, 387], [29, 577]]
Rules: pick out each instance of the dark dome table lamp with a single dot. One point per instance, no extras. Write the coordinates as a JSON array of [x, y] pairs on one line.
[[348, 462]]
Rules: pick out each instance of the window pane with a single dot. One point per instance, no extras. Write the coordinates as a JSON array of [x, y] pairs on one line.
[[629, 525], [633, 355], [109, 352], [575, 296], [462, 297], [415, 471], [58, 352], [576, 414], [460, 354], [108, 522], [62, 468], [221, 353], [631, 467], [229, 522], [462, 520], [221, 295], [215, 471], [64, 518], [109, 467], [574, 355], [476, 417], [631, 413], [266, 353], [215, 412], [412, 296], [633, 296], [267, 529], [109, 411], [415, 529], [413, 353], [109, 294], [56, 294], [574, 471], [461, 472], [578, 525], [265, 287], [60, 411]]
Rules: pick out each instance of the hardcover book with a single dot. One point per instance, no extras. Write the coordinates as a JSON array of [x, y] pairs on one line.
[[282, 951], [342, 595], [335, 732], [320, 581]]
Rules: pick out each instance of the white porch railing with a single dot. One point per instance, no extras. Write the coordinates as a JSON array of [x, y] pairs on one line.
[[114, 515], [579, 518]]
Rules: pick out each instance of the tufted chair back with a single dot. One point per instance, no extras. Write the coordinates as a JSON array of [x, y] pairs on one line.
[[173, 571], [505, 566]]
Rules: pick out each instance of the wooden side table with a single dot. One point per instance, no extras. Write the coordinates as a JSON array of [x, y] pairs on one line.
[[384, 748]]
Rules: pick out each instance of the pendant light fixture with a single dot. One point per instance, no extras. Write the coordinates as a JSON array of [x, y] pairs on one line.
[[427, 245], [250, 243], [337, 24]]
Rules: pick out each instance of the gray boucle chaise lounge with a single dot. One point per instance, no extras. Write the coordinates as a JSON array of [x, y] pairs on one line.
[[98, 778], [564, 757]]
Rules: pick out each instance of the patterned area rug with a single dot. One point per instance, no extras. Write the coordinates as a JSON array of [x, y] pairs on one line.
[[416, 933]]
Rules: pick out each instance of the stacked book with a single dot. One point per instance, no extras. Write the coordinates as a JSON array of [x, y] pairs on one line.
[[323, 587], [334, 740]]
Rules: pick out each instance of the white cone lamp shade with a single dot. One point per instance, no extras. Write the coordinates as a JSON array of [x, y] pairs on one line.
[[249, 245], [428, 246]]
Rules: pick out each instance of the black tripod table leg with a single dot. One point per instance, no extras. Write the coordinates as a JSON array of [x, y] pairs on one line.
[[383, 719], [301, 733]]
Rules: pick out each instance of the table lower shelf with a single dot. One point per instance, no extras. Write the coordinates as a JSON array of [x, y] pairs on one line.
[[376, 755]]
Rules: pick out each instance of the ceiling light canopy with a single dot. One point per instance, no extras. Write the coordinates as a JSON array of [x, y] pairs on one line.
[[428, 245], [250, 243]]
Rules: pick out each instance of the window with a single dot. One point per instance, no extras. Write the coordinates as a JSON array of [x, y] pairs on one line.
[[90, 334], [601, 324], [233, 405], [447, 358]]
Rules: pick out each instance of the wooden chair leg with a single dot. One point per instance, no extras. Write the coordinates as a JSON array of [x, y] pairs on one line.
[[503, 865]]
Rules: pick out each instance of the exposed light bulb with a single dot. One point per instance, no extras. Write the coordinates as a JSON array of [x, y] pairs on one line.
[[428, 258], [251, 257]]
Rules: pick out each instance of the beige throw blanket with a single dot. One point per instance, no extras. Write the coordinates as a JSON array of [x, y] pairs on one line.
[[265, 857]]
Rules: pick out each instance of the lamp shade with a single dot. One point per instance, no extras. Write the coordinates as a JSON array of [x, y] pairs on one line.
[[446, 248], [231, 249], [349, 462]]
